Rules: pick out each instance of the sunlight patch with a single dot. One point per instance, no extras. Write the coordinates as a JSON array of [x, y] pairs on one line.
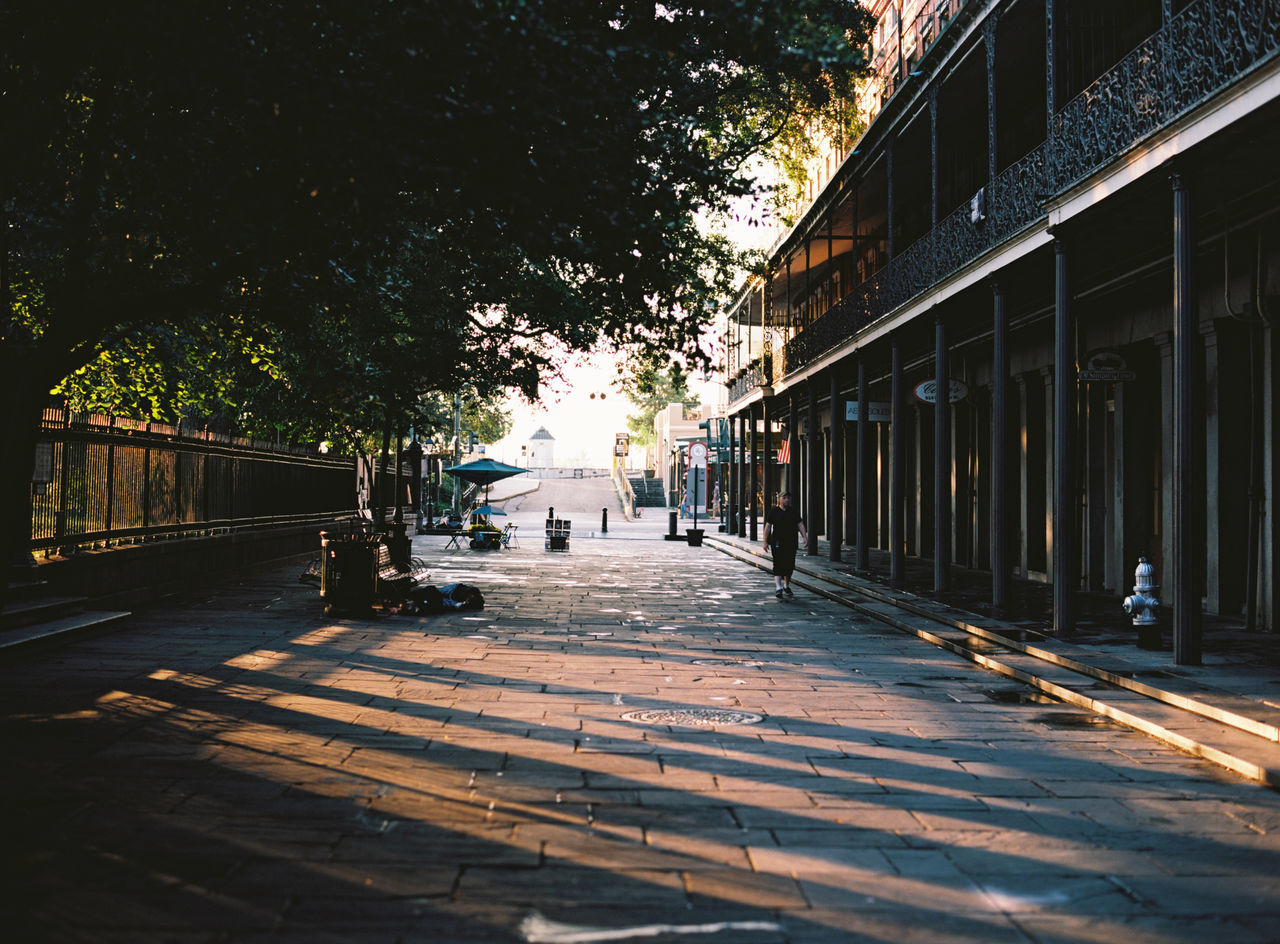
[[539, 930]]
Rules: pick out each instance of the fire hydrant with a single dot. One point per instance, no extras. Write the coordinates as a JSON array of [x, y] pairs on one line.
[[1143, 604]]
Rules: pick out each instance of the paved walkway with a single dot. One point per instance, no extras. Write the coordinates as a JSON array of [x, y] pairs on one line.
[[235, 767]]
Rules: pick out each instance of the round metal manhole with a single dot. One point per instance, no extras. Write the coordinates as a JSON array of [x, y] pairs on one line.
[[692, 717]]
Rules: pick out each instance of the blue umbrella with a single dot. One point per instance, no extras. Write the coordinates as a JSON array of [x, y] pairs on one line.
[[489, 510], [485, 472]]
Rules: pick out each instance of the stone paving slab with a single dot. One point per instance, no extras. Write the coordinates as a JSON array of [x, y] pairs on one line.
[[237, 768]]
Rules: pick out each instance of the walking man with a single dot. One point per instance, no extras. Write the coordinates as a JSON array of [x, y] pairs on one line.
[[782, 532]]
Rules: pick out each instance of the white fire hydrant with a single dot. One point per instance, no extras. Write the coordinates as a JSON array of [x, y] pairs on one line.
[[1143, 605]]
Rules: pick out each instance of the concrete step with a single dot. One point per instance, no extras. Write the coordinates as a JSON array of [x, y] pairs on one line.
[[28, 610], [63, 629], [23, 586]]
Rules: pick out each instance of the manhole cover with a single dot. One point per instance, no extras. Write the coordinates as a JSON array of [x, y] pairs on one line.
[[692, 717]]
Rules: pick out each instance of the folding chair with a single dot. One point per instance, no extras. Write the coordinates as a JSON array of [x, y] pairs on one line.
[[509, 539]]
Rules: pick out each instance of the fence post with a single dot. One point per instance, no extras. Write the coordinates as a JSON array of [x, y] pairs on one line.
[[64, 480], [146, 480], [111, 471]]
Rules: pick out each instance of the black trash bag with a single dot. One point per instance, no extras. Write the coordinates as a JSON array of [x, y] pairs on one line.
[[462, 596]]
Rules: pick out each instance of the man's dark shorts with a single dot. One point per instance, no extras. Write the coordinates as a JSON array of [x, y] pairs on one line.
[[784, 560]]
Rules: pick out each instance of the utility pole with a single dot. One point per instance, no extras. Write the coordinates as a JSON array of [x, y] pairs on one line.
[[457, 444]]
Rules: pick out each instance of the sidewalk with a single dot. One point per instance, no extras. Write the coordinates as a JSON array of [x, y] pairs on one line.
[[632, 741], [1245, 663]]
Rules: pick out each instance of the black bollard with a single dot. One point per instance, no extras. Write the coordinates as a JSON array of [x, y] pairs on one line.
[[671, 524], [604, 520]]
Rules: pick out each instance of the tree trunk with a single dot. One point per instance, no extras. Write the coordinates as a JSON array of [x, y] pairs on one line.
[[24, 389]]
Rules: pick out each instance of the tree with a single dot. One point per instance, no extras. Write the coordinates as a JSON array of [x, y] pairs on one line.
[[651, 388], [277, 172]]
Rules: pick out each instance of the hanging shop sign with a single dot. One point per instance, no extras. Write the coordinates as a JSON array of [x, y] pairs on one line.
[[1106, 367], [876, 412], [698, 455], [927, 391]]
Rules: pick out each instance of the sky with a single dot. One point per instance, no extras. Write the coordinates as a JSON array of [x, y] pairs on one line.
[[583, 426]]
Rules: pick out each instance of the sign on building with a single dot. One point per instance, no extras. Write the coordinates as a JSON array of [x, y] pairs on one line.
[[877, 412], [927, 391]]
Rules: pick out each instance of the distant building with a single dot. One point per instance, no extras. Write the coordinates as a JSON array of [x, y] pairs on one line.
[[542, 449]]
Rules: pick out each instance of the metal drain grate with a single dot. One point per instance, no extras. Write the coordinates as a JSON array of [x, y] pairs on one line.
[[692, 717]]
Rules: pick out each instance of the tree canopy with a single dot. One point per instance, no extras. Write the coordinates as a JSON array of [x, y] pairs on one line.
[[348, 205]]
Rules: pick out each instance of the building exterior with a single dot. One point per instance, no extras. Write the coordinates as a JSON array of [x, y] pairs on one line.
[[542, 449], [1071, 210], [673, 429]]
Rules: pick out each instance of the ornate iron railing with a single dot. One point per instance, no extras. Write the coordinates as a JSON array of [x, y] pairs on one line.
[[750, 379], [102, 480], [1200, 52]]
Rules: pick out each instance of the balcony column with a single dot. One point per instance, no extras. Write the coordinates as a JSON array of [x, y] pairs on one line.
[[1051, 23], [836, 477], [753, 485], [898, 475], [1024, 478], [941, 463], [731, 483], [767, 466], [742, 472], [813, 459], [806, 309], [789, 308], [888, 173], [1064, 425], [793, 449], [935, 197], [831, 251], [863, 454], [1186, 404], [999, 452], [1045, 509], [989, 44]]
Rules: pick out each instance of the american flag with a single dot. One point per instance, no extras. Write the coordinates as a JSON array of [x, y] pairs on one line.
[[784, 451]]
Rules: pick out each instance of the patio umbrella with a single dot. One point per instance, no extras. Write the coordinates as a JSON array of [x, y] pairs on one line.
[[485, 472], [489, 510]]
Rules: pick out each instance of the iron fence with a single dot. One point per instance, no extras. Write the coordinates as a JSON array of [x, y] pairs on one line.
[[101, 480]]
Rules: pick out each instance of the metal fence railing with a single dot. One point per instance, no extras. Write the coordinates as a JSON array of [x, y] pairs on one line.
[[101, 480]]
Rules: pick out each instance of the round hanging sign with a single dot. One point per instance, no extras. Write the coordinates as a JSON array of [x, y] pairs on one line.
[[927, 391]]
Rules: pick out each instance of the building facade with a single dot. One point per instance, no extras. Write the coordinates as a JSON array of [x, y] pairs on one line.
[[1070, 210], [542, 449]]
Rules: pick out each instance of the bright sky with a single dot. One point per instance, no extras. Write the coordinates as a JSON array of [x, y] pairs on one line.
[[583, 426]]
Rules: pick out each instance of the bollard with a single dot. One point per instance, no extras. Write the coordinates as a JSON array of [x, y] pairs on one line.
[[604, 520], [671, 528], [1142, 605]]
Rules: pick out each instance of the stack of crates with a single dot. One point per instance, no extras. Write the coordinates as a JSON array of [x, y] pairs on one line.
[[558, 534]]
